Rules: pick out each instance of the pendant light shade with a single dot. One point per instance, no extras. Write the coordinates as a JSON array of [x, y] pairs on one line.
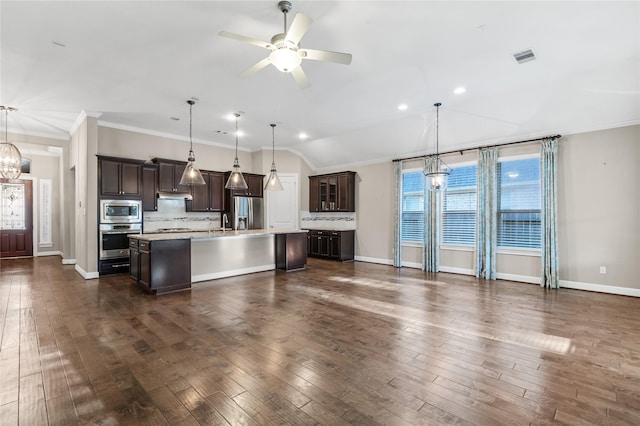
[[437, 180], [273, 182], [191, 174], [10, 157], [236, 180]]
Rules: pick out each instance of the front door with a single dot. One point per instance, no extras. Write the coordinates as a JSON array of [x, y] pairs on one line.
[[16, 225]]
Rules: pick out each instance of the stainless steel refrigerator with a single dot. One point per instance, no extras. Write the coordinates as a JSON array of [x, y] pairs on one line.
[[247, 213]]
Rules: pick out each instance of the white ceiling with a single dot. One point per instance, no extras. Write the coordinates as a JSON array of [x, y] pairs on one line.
[[135, 63]]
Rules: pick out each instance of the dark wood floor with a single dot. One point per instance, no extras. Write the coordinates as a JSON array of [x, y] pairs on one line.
[[351, 343]]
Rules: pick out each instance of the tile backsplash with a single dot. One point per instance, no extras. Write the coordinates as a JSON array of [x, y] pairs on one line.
[[173, 214], [338, 221]]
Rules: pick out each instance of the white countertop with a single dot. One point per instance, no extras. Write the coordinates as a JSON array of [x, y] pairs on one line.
[[217, 234]]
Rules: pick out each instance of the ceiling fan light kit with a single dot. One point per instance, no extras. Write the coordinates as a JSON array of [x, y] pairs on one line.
[[286, 54]]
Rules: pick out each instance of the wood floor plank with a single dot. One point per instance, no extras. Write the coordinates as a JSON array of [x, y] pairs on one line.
[[230, 410], [170, 406], [31, 404], [9, 413]]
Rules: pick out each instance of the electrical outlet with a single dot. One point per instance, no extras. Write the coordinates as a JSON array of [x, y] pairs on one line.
[[603, 269]]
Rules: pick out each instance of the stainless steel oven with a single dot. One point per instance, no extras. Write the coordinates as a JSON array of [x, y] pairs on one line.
[[120, 211], [114, 239]]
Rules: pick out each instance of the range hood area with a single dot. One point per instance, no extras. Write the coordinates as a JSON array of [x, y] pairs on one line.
[[174, 196]]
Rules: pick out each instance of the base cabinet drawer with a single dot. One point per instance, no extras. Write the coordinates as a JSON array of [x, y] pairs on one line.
[[113, 266]]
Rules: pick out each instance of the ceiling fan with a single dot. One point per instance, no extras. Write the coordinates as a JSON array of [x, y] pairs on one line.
[[286, 54]]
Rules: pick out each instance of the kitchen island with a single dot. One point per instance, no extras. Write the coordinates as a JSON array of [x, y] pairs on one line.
[[162, 263]]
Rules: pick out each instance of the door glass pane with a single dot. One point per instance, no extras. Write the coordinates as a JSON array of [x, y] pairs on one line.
[[13, 206]]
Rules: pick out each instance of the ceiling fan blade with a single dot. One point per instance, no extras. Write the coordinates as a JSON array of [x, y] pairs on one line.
[[298, 28], [245, 39], [257, 67], [300, 77], [326, 55]]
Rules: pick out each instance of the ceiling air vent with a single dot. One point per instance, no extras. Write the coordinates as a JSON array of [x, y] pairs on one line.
[[524, 56]]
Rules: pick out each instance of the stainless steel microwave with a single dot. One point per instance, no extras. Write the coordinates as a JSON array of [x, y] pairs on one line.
[[120, 211]]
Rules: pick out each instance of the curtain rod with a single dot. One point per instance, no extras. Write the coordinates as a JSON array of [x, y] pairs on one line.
[[476, 148]]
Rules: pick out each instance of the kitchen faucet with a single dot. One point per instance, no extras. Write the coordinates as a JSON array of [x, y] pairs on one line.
[[225, 220]]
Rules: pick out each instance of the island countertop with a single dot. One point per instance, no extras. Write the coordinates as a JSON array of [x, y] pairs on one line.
[[215, 234]]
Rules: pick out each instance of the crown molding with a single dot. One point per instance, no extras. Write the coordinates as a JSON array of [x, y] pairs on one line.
[[126, 128], [81, 117]]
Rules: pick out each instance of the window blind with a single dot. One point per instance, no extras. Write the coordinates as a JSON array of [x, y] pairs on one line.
[[519, 200], [459, 206], [412, 227]]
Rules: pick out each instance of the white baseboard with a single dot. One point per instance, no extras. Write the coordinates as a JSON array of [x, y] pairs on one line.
[[232, 273], [49, 253], [86, 275], [373, 260], [68, 261], [519, 278], [412, 265], [461, 271], [623, 291]]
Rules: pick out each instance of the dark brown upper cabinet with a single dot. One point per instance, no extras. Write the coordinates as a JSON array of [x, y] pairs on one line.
[[169, 174], [333, 192], [119, 177], [209, 197], [149, 187], [254, 184]]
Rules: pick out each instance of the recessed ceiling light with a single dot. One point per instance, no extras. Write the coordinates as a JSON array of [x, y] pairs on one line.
[[403, 107], [459, 90], [302, 135]]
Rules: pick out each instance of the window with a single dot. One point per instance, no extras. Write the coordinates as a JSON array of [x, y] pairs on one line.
[[412, 207], [13, 206], [519, 204], [459, 206]]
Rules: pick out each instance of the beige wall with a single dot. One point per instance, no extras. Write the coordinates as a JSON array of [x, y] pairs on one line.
[[599, 222], [79, 143], [599, 207], [375, 188]]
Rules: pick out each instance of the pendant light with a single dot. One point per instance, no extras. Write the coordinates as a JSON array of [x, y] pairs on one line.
[[236, 180], [437, 181], [191, 174], [10, 157], [273, 182]]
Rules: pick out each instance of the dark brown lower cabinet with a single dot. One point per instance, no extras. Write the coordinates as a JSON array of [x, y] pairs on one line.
[[162, 266], [335, 245], [291, 251]]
